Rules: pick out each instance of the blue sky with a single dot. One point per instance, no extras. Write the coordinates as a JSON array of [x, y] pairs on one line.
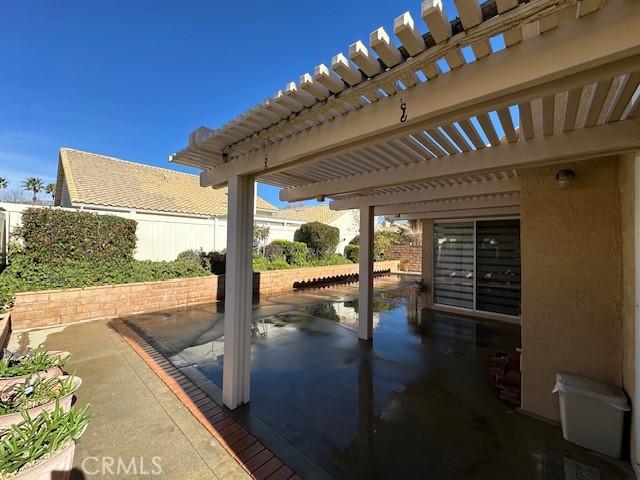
[[132, 79]]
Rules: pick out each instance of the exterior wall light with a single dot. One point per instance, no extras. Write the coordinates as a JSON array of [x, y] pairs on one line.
[[565, 178], [320, 198]]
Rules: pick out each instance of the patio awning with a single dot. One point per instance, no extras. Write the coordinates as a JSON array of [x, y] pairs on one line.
[[439, 126], [565, 86]]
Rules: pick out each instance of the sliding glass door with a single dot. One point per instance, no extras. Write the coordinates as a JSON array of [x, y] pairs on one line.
[[477, 265]]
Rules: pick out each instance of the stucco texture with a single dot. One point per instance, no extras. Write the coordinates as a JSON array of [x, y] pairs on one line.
[[572, 279]]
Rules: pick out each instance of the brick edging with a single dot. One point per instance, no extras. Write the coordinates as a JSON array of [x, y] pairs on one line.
[[252, 455]]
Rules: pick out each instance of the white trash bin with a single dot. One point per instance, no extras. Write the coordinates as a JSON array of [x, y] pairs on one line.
[[592, 413]]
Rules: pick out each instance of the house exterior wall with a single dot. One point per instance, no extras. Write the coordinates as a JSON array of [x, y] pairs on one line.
[[571, 279], [349, 226], [626, 179]]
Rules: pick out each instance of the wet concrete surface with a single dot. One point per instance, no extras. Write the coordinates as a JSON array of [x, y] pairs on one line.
[[414, 403]]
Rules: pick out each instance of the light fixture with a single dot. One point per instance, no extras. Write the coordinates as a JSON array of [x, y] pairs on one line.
[[320, 198], [565, 178]]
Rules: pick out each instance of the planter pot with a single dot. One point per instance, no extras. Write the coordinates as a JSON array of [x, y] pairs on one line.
[[6, 384], [65, 403], [61, 463]]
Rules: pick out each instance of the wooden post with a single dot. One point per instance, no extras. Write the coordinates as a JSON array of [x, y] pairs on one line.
[[236, 377]]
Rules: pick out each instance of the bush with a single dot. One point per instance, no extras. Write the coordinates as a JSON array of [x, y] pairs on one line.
[[262, 263], [321, 239], [381, 245], [57, 236], [24, 275], [192, 255], [295, 253], [215, 262], [352, 252]]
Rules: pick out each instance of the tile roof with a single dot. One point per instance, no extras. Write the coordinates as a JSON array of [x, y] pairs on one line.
[[313, 213], [94, 179]]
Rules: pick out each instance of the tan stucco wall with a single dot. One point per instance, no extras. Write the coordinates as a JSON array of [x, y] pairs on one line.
[[572, 280], [427, 260], [627, 207]]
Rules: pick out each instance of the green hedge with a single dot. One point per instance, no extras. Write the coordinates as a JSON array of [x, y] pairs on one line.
[[56, 236], [25, 275], [321, 239], [352, 252], [294, 253]]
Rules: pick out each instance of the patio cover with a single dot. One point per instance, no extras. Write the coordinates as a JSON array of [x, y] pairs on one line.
[[439, 126]]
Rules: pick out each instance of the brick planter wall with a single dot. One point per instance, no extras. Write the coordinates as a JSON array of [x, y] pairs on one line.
[[409, 257], [54, 307]]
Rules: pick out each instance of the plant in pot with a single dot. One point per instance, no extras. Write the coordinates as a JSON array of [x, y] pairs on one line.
[[37, 395], [17, 369], [37, 447]]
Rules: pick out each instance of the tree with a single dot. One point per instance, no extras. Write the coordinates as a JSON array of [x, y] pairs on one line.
[[3, 183], [320, 238], [51, 190], [34, 185], [260, 236]]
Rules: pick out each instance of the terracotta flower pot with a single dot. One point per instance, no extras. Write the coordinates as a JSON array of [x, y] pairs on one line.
[[61, 463], [7, 383], [65, 403]]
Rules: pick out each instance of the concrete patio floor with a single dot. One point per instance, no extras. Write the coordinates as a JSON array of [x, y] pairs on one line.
[[135, 417], [414, 404]]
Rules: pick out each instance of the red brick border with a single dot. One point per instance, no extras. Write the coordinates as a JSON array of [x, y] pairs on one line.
[[252, 455]]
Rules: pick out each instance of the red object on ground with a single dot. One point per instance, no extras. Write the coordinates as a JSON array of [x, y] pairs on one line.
[[505, 377]]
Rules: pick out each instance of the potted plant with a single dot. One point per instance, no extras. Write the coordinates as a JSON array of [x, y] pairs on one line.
[[37, 447], [16, 369], [36, 396]]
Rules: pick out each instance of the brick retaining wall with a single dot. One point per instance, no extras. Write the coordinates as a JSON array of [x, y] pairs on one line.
[[54, 307], [408, 256]]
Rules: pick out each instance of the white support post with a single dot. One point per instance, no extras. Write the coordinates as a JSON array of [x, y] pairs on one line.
[[236, 375], [365, 303]]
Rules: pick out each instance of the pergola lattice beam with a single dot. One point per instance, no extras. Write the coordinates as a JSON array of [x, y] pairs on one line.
[[578, 144], [585, 50], [451, 205], [465, 189]]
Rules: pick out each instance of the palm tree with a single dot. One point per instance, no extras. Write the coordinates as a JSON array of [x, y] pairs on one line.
[[51, 190], [35, 185]]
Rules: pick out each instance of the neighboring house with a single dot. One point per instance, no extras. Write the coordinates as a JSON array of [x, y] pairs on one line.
[[173, 212], [347, 221]]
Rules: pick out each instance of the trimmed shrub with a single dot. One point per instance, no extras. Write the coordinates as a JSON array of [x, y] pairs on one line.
[[381, 244], [24, 275], [295, 253], [321, 239], [352, 252], [192, 255], [57, 236], [215, 262]]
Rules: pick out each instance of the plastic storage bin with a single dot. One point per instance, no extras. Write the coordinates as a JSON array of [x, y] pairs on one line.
[[592, 413]]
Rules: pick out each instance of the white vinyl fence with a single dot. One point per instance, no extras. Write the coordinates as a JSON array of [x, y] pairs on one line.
[[162, 236]]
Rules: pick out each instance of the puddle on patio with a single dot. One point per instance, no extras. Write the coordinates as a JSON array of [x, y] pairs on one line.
[[415, 403]]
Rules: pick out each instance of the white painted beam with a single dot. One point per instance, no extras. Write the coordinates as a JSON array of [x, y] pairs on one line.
[[312, 87], [465, 203], [471, 213], [470, 13], [343, 67], [405, 30], [363, 59], [324, 76], [583, 51], [236, 375], [506, 5], [365, 279], [436, 20], [575, 145], [387, 51], [467, 189], [298, 95]]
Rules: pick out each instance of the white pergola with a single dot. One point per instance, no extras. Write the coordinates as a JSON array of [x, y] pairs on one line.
[[565, 87]]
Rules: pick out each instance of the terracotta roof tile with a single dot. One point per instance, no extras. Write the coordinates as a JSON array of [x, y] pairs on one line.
[[100, 180], [313, 213]]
